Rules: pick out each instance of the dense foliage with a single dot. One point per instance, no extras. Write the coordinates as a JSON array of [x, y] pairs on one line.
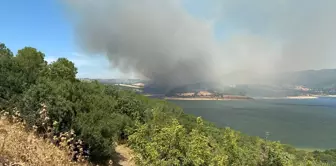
[[159, 132]]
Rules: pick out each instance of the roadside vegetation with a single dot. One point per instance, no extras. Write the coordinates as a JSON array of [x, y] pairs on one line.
[[87, 119]]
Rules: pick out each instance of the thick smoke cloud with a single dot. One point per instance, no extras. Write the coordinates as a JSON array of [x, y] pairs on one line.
[[304, 28], [161, 40]]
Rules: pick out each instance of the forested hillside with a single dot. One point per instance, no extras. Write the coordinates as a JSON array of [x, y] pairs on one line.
[[311, 78], [52, 102]]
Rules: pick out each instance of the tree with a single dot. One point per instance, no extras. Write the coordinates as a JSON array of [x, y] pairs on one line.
[[62, 69], [130, 106], [31, 63], [4, 51], [274, 155], [55, 95], [10, 84], [235, 152], [100, 129], [159, 146], [201, 149], [160, 133]]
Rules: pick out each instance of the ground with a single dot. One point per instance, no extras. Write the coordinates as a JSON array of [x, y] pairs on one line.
[[125, 156]]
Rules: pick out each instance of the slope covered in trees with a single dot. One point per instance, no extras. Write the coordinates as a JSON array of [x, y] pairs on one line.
[[100, 115]]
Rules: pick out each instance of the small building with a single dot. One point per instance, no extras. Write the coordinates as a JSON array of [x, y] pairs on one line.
[[302, 88], [204, 93]]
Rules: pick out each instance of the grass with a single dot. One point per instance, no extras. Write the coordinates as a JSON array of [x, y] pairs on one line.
[[18, 147], [23, 148]]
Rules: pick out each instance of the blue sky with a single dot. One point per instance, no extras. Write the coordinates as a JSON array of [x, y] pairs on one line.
[[43, 24]]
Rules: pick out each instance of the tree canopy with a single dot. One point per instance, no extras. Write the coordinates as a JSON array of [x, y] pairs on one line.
[[159, 132]]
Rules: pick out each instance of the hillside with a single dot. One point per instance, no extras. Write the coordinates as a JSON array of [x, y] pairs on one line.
[[246, 83], [273, 85], [88, 118], [20, 147], [325, 78], [23, 148]]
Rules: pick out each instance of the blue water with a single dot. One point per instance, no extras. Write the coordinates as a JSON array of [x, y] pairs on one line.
[[308, 123]]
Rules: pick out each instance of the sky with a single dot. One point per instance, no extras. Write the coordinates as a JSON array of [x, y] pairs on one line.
[[44, 25], [251, 34]]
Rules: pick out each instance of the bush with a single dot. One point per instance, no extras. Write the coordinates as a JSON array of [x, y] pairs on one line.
[[52, 100], [100, 131]]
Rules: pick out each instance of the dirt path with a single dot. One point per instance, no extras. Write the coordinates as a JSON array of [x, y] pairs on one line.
[[125, 156]]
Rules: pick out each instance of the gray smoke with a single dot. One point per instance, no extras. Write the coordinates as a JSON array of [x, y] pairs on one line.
[[161, 40], [305, 29]]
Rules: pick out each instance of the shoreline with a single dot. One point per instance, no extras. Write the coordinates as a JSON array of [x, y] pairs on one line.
[[205, 99], [329, 96], [297, 97], [302, 97], [239, 98], [288, 97]]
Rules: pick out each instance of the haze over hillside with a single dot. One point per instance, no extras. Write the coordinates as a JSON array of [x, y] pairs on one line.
[[282, 84], [312, 78], [168, 43]]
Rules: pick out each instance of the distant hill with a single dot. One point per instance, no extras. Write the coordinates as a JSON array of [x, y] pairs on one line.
[[325, 78], [115, 81], [246, 82], [273, 85]]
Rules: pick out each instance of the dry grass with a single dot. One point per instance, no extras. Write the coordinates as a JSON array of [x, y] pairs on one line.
[[23, 148], [19, 147]]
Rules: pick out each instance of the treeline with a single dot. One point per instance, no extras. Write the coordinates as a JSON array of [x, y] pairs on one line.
[[100, 115]]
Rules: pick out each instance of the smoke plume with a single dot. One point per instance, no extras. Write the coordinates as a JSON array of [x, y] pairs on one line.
[[163, 41]]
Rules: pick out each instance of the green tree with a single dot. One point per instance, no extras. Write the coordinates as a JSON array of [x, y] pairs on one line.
[[4, 51], [159, 132], [100, 130], [274, 155], [159, 146], [202, 149], [234, 151], [55, 96], [31, 63], [62, 69], [10, 79]]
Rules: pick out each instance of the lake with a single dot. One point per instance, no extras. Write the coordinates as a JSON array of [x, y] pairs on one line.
[[308, 123]]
